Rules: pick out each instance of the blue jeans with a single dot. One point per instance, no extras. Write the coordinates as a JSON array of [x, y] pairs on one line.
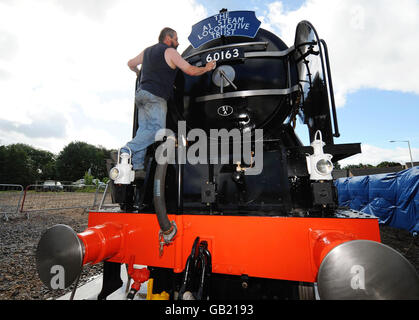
[[151, 118]]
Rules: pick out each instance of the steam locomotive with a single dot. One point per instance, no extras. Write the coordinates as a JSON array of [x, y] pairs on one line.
[[252, 213]]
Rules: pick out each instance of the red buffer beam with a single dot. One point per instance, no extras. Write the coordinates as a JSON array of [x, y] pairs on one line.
[[322, 250]]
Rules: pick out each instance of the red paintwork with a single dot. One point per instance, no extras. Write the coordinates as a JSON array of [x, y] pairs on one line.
[[265, 247]]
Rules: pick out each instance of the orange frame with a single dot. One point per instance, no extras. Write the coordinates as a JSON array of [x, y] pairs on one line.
[[266, 247]]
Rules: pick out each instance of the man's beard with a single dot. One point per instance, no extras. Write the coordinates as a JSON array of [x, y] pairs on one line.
[[173, 46]]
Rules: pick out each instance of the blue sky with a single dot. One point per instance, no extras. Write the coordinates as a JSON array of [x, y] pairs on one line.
[[63, 73], [380, 116]]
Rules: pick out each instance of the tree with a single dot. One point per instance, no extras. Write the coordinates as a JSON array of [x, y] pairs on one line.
[[88, 179], [358, 166], [43, 163], [387, 164], [23, 164], [77, 158]]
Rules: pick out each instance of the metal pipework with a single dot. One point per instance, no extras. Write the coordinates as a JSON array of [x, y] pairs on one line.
[[61, 249], [362, 270]]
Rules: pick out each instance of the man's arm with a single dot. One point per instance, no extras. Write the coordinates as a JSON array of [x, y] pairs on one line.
[[174, 59], [135, 62]]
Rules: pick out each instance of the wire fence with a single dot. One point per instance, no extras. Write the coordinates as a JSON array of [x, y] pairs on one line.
[[10, 198], [16, 200]]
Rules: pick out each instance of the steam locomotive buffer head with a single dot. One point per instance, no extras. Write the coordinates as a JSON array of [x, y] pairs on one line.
[[231, 195]]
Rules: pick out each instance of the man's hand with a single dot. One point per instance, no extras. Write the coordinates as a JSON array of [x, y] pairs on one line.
[[174, 59], [210, 65]]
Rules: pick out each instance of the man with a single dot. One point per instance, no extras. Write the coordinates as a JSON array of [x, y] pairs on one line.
[[159, 68]]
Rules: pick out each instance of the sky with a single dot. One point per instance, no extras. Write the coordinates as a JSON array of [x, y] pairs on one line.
[[64, 74]]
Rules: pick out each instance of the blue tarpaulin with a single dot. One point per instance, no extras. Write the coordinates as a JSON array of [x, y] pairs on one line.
[[392, 197]]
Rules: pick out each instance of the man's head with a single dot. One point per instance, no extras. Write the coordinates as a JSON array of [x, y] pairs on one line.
[[169, 37]]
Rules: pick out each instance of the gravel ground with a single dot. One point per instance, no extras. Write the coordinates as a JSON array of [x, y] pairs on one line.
[[19, 238]]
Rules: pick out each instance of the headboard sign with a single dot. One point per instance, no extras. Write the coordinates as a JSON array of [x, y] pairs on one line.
[[226, 23]]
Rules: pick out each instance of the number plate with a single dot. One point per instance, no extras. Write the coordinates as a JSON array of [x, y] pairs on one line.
[[223, 55]]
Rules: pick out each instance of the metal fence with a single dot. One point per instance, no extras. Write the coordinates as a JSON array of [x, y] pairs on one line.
[[14, 199], [10, 199], [106, 201]]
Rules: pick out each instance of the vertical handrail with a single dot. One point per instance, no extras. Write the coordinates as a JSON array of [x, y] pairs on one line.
[[95, 198], [331, 92], [103, 196]]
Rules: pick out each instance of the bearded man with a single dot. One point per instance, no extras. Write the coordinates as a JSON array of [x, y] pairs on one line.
[[160, 64]]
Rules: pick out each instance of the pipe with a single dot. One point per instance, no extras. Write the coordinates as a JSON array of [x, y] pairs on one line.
[[325, 242], [62, 252], [160, 181], [101, 242], [160, 197]]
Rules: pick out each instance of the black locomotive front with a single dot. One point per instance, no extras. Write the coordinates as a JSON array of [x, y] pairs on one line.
[[258, 89]]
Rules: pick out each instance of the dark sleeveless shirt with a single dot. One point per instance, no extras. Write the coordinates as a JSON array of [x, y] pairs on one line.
[[156, 75]]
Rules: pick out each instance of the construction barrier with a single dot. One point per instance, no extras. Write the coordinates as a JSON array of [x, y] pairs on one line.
[[14, 199], [10, 198]]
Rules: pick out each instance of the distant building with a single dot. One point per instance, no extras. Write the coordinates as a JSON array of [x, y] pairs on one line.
[[372, 171], [339, 173], [357, 172], [408, 165]]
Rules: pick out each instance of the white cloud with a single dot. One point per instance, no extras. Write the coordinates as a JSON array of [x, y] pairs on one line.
[[372, 44], [68, 60], [374, 155]]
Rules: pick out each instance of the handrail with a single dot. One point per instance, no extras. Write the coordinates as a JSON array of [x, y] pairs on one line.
[[332, 95], [247, 93]]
